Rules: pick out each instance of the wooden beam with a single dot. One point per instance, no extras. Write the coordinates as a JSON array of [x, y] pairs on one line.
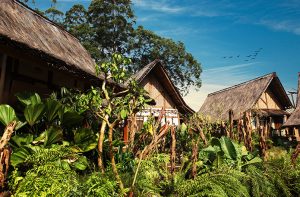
[[2, 77]]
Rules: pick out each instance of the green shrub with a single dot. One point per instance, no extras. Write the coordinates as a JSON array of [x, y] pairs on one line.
[[99, 185], [48, 180]]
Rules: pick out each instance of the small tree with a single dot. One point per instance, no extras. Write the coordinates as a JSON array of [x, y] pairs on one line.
[[113, 105]]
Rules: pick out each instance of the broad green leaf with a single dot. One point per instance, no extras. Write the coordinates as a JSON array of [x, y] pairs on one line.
[[7, 114], [81, 163], [52, 108], [20, 125], [29, 98], [183, 128], [124, 113], [33, 113], [53, 135], [20, 140], [65, 165], [85, 139], [70, 119], [253, 161], [226, 146], [19, 155]]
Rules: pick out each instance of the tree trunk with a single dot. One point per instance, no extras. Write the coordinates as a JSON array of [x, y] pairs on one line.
[[100, 146], [173, 149], [112, 157], [133, 128], [295, 154], [5, 152], [156, 139], [231, 124], [194, 158], [262, 142], [7, 134]]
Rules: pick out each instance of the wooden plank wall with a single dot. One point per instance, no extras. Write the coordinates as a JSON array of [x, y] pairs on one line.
[[157, 92], [268, 101]]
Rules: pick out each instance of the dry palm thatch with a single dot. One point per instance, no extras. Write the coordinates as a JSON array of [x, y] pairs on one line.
[[26, 31], [294, 119], [243, 97]]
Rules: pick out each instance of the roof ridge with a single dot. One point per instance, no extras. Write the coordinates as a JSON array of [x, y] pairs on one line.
[[243, 83], [43, 17]]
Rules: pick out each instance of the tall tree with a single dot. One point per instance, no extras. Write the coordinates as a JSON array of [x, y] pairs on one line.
[[106, 27], [76, 22], [183, 68], [112, 22], [54, 15]]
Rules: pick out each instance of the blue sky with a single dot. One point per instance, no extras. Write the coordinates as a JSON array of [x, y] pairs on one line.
[[212, 30]]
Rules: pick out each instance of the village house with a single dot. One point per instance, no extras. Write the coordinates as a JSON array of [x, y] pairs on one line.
[[264, 96], [293, 122], [38, 55], [156, 81]]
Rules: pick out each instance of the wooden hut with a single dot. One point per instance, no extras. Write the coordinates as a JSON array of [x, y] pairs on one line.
[[293, 122], [156, 81], [38, 55], [263, 96]]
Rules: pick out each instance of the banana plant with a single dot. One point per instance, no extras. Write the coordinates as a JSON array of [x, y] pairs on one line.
[[224, 150]]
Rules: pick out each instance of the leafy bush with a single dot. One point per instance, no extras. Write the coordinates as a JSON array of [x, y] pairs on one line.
[[221, 183], [47, 180], [99, 185]]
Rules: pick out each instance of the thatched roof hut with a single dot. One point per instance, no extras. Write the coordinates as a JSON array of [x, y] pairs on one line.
[[24, 30], [294, 119], [154, 73], [264, 93]]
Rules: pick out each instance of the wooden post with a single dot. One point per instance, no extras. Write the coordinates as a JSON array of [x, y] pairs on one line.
[[231, 123], [173, 149], [2, 77], [125, 132]]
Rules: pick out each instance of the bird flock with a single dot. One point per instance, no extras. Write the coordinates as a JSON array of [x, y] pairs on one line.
[[249, 57]]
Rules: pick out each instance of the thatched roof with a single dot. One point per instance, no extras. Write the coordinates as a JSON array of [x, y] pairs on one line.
[[294, 119], [162, 76], [243, 97], [25, 30]]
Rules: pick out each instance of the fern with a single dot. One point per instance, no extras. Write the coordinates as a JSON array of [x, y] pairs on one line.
[[42, 156], [98, 185], [48, 180], [223, 183], [153, 175], [258, 183]]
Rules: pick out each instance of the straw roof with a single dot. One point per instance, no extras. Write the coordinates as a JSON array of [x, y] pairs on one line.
[[294, 119], [243, 97], [24, 29], [162, 76]]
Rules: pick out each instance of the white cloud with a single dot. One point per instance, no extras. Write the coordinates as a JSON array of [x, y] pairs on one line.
[[285, 25], [158, 5]]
